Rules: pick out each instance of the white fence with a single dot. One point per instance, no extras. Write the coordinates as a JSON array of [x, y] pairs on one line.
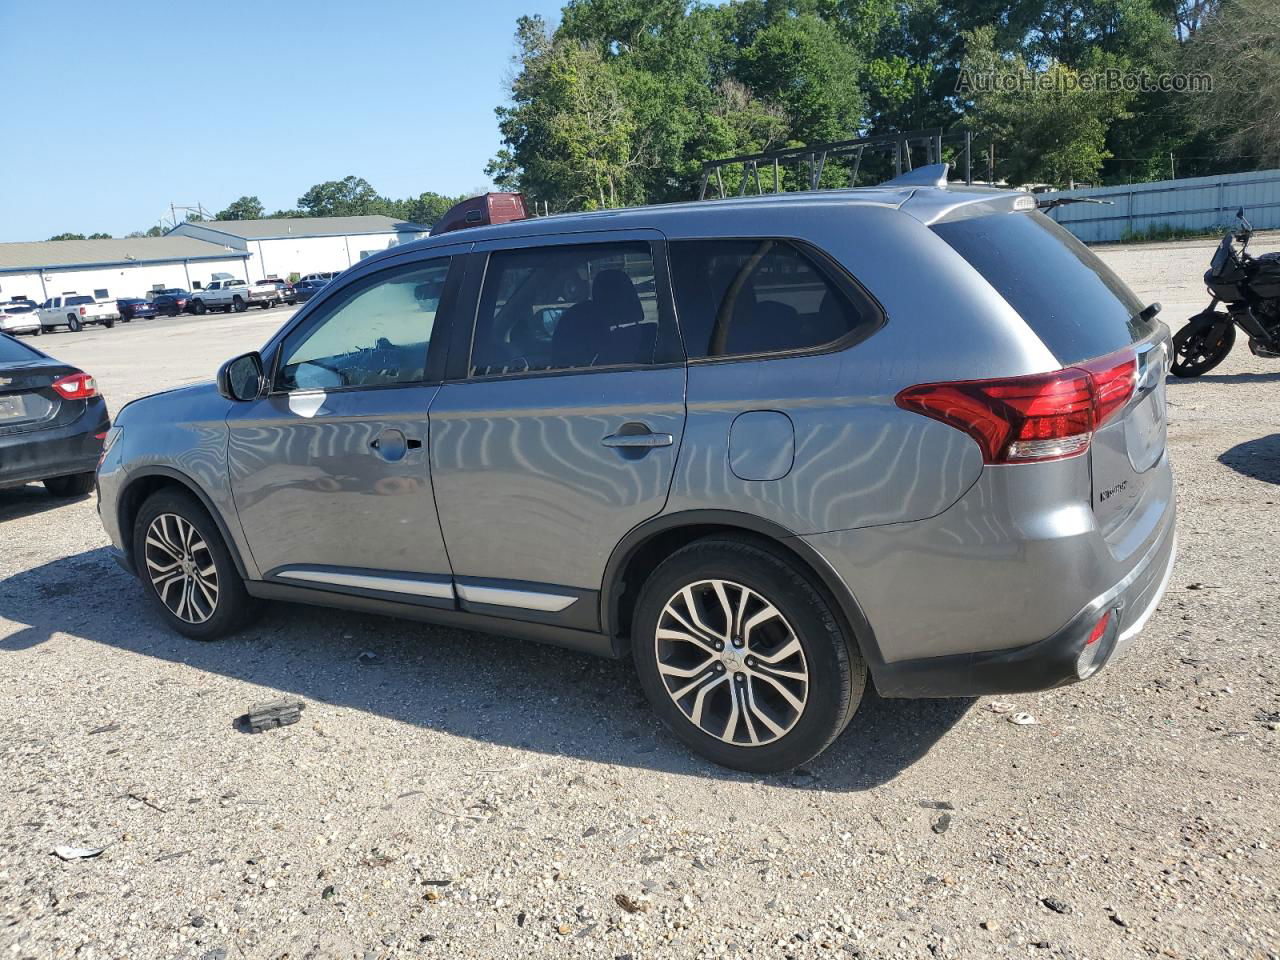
[[1197, 203]]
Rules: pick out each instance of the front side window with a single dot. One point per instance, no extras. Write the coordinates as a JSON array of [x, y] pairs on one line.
[[738, 297], [375, 334], [566, 307]]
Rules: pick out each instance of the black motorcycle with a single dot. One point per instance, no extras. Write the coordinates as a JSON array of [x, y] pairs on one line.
[[1250, 288]]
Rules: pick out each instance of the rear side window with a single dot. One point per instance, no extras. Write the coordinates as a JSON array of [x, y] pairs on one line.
[[1072, 300], [566, 307], [739, 297], [77, 301]]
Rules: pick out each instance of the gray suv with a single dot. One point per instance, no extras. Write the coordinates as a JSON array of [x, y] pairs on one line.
[[765, 446]]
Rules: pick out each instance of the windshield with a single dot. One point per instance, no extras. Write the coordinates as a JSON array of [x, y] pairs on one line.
[[1221, 256], [17, 308], [1069, 298]]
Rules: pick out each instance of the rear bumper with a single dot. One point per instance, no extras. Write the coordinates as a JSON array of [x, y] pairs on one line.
[[1063, 658], [56, 452], [999, 593]]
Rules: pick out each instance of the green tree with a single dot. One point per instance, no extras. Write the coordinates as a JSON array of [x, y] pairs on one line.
[[67, 236], [1054, 130], [426, 208], [348, 197], [246, 208], [1239, 47], [99, 236]]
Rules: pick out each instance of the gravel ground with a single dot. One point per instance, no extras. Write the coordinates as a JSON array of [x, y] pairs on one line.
[[454, 795]]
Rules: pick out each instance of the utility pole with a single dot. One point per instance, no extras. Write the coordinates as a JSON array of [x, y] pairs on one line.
[[1172, 174]]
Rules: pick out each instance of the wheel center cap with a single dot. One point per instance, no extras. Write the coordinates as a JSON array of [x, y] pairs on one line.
[[732, 658]]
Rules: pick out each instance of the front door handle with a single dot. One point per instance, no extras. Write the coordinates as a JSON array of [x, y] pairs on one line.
[[644, 441], [391, 445]]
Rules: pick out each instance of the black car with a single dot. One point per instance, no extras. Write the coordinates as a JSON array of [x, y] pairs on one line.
[[53, 422], [306, 289], [170, 303], [135, 308]]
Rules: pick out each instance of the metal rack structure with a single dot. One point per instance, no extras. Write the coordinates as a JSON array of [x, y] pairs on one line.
[[813, 159]]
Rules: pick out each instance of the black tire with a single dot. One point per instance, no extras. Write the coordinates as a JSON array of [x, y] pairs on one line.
[[233, 607], [38, 330], [1202, 344], [73, 323], [76, 485], [238, 305], [198, 308], [834, 668], [266, 304], [108, 324]]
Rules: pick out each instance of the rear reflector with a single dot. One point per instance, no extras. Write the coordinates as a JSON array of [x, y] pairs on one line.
[[1034, 418], [76, 386], [1099, 628]]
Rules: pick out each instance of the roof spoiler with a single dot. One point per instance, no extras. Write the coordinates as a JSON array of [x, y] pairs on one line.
[[934, 175]]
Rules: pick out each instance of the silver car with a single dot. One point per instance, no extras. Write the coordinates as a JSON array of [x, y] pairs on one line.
[[766, 447]]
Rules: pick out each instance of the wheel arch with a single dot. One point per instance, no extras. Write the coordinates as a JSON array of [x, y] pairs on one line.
[[150, 480], [647, 545]]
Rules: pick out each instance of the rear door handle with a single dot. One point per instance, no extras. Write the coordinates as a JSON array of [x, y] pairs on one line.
[[641, 440]]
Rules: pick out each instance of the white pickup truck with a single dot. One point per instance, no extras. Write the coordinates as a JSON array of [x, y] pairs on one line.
[[75, 311], [237, 295]]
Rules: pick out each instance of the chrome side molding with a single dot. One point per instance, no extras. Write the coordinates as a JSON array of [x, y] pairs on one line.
[[524, 599]]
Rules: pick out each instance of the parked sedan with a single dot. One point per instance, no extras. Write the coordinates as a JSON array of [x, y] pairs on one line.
[[170, 303], [52, 421], [285, 288], [135, 308], [19, 317], [304, 290]]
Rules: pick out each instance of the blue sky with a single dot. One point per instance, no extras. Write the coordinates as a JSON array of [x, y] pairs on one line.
[[114, 110]]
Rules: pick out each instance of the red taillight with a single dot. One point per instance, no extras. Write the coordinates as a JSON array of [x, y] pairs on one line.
[[1114, 379], [1030, 419], [82, 313], [76, 386]]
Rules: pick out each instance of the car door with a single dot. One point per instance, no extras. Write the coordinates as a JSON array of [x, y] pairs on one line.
[[558, 428], [329, 469]]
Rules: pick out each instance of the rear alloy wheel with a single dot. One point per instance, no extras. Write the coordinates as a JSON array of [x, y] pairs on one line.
[[238, 305], [76, 485], [743, 658], [73, 323], [179, 553], [198, 308]]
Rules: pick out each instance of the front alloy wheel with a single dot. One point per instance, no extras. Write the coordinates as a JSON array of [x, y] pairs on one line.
[[731, 663], [181, 568], [179, 552]]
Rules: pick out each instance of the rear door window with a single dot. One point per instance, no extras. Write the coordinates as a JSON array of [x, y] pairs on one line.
[[1072, 300], [760, 296], [566, 307]]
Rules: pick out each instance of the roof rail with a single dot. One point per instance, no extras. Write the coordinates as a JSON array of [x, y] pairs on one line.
[[810, 161]]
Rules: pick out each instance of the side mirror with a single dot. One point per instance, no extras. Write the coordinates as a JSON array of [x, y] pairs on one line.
[[241, 377]]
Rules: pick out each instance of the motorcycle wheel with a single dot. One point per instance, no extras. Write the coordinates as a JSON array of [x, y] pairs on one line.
[[1201, 345]]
